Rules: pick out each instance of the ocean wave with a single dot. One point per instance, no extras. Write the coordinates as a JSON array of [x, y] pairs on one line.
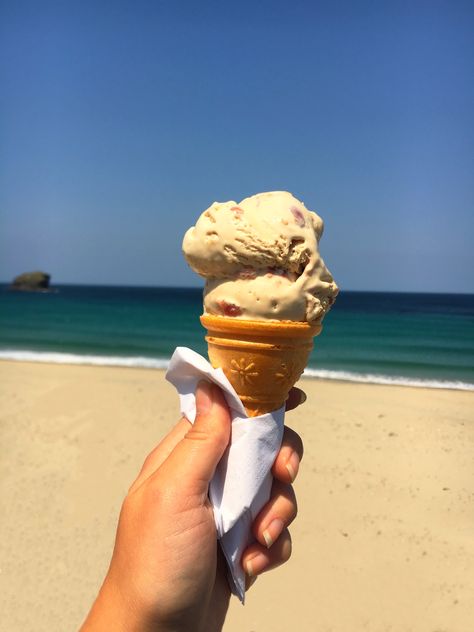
[[162, 363], [388, 380], [71, 358]]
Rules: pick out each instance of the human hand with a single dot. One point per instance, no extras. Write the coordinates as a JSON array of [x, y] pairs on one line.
[[167, 572]]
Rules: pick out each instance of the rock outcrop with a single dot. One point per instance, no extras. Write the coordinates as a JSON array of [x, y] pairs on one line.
[[31, 282]]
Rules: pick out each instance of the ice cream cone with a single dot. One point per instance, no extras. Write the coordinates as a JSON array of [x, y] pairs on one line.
[[261, 359]]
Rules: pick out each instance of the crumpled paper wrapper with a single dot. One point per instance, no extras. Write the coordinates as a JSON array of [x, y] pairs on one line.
[[242, 481]]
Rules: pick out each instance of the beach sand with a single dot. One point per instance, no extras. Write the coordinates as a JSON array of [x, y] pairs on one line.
[[384, 539]]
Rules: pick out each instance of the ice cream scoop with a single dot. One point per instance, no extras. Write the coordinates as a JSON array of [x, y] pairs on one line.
[[261, 259], [267, 291]]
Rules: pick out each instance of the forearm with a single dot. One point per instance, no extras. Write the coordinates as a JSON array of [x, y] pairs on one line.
[[111, 612]]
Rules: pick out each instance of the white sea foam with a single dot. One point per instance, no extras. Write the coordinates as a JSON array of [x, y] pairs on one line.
[[162, 363], [395, 380], [70, 358]]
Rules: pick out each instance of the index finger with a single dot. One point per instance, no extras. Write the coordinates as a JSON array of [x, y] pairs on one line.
[[295, 397]]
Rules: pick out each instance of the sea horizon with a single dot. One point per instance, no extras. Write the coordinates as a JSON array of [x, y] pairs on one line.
[[397, 338], [7, 285]]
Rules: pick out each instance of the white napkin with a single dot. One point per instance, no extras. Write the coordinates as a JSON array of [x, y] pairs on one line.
[[242, 481]]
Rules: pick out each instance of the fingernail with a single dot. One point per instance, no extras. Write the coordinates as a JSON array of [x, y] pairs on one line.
[[249, 569], [203, 397], [256, 565], [293, 465], [303, 397], [272, 532]]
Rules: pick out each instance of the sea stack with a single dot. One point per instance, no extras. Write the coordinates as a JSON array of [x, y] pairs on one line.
[[31, 282]]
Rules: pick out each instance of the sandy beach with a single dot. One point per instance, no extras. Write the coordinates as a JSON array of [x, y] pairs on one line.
[[384, 539]]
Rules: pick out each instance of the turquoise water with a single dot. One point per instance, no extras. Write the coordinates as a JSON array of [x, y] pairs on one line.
[[368, 336]]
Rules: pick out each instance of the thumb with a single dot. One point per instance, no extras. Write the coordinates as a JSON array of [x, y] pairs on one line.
[[195, 457]]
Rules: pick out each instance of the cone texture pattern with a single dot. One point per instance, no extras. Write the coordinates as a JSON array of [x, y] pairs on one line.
[[261, 359]]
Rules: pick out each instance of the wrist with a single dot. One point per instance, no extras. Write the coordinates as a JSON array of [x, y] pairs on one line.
[[111, 611]]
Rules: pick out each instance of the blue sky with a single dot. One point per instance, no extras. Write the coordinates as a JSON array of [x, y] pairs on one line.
[[120, 122]]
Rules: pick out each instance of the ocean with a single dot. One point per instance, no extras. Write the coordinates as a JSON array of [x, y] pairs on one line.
[[376, 337]]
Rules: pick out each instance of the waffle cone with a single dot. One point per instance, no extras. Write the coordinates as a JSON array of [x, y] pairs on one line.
[[261, 359]]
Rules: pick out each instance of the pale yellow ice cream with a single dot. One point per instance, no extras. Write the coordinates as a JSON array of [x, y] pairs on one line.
[[261, 259]]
